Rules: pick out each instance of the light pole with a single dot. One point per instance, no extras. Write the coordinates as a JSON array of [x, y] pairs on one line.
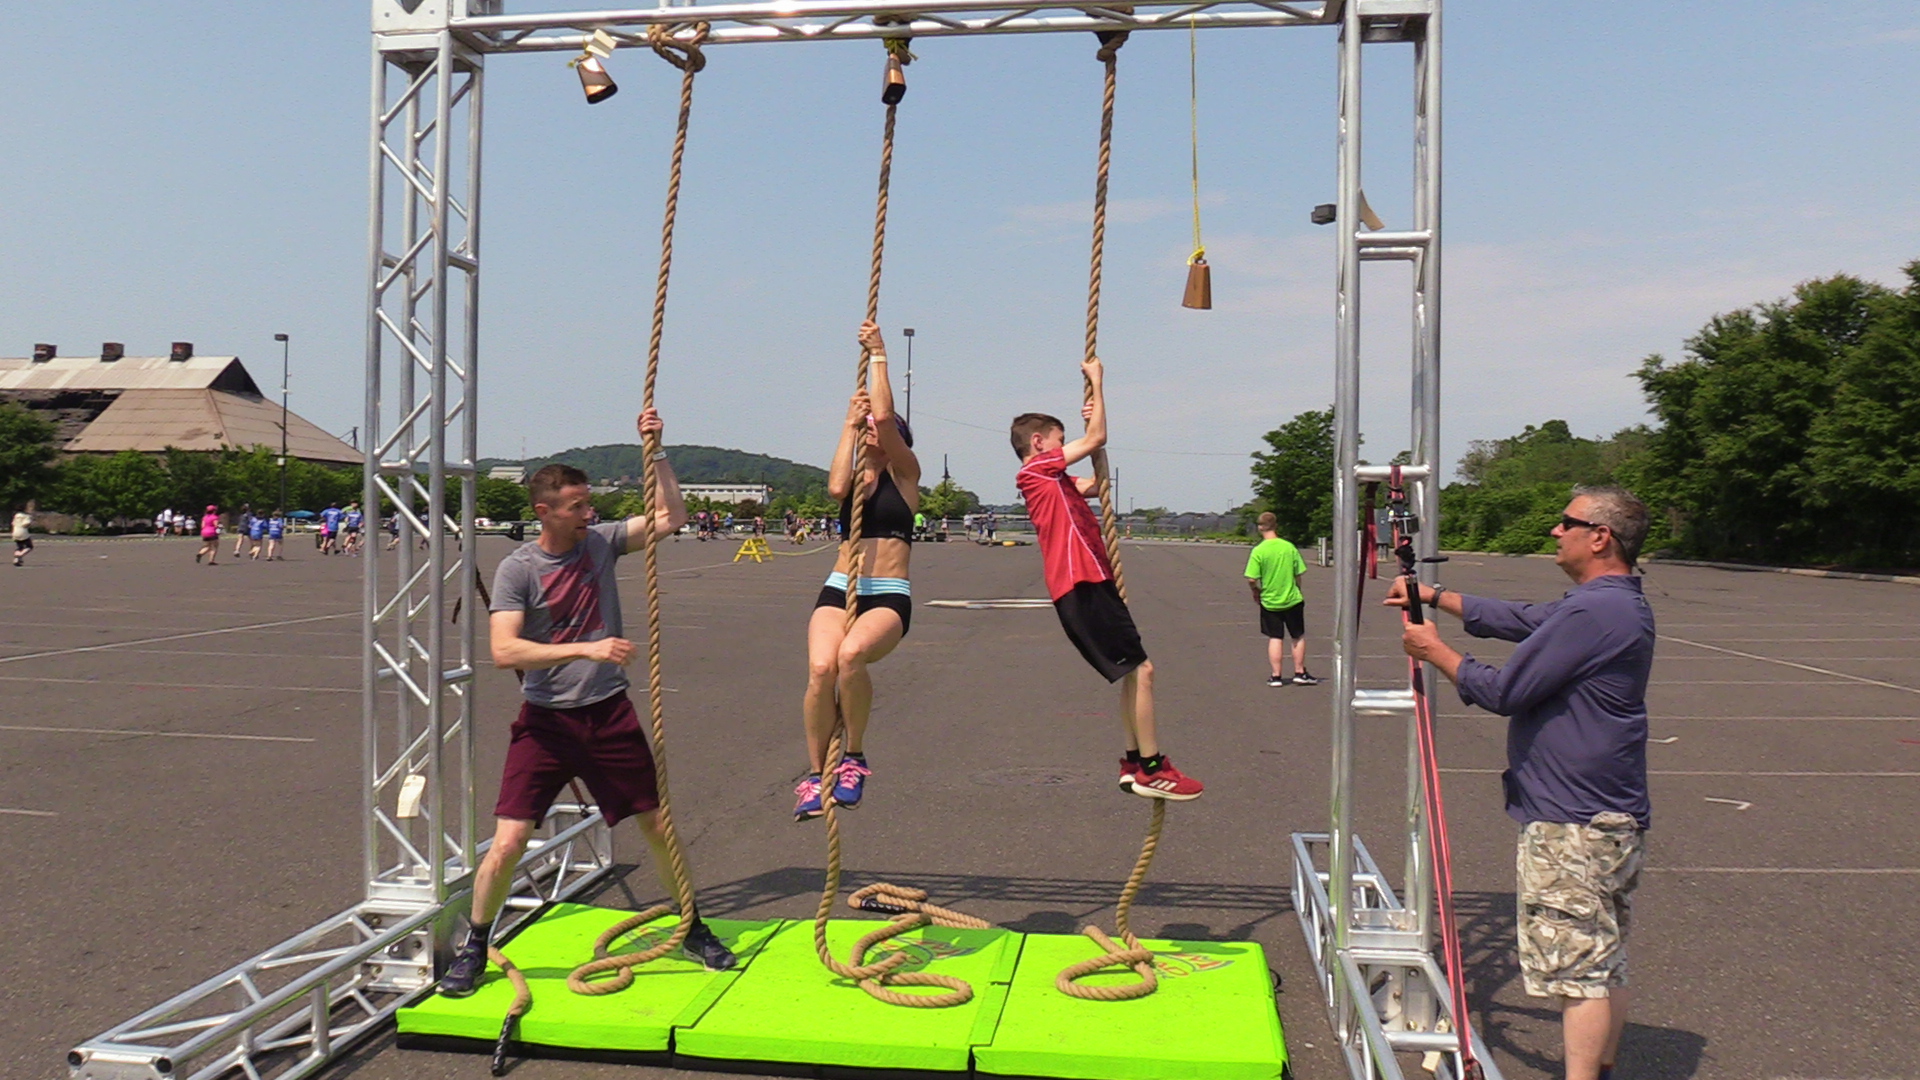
[[285, 349], [909, 333]]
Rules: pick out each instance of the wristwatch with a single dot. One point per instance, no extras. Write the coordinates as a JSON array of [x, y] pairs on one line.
[[1437, 590]]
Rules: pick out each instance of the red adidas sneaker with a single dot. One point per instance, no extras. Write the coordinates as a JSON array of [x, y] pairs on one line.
[[1129, 772], [1166, 783]]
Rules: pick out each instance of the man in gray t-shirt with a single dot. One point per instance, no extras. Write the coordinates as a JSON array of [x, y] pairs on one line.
[[555, 620]]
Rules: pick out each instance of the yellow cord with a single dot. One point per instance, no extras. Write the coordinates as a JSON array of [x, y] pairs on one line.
[[1193, 104]]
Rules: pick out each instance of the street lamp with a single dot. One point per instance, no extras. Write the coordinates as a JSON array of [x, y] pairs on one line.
[[909, 333], [285, 349]]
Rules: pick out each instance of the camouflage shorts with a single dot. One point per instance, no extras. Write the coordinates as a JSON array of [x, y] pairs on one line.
[[1576, 903]]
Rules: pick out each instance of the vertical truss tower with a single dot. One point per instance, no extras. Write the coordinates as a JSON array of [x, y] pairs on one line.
[[286, 1012]]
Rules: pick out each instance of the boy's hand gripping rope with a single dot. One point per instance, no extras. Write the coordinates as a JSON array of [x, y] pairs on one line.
[[911, 913], [1440, 843], [685, 54], [1131, 955]]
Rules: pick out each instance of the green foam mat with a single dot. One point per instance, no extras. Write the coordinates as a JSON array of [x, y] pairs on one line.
[[789, 1011], [1213, 1017], [673, 991]]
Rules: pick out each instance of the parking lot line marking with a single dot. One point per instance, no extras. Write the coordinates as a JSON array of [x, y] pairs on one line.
[[141, 684], [1793, 664], [1786, 773], [176, 637], [1785, 869], [158, 734], [1663, 717], [27, 813]]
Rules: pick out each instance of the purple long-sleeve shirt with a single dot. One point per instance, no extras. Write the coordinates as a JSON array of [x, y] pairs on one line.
[[1576, 693]]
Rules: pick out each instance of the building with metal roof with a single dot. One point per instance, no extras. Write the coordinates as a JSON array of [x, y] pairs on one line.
[[112, 402]]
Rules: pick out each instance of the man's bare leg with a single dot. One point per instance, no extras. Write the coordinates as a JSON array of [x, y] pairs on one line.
[[495, 877], [656, 835], [1587, 1027], [1136, 710], [1620, 998], [1299, 655], [1276, 652]]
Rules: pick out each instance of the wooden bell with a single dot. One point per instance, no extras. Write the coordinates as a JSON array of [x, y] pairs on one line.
[[1199, 285], [895, 87]]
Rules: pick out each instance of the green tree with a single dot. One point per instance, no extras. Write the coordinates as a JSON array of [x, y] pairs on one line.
[[501, 500], [26, 454], [947, 500], [1770, 417], [112, 491], [1293, 478]]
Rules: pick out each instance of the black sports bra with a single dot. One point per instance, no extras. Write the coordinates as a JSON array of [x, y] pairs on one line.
[[887, 517]]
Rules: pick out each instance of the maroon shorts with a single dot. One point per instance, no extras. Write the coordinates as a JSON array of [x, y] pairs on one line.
[[602, 744]]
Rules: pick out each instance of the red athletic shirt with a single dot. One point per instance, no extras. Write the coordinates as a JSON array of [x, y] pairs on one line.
[[1070, 544]]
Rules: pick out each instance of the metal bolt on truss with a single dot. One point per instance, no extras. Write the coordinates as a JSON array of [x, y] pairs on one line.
[[286, 1012]]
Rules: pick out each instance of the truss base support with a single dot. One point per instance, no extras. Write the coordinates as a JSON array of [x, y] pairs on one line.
[[1385, 994]]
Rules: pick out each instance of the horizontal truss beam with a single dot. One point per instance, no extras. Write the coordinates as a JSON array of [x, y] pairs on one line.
[[848, 20]]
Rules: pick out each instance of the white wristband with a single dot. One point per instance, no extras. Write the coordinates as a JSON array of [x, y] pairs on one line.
[[659, 455]]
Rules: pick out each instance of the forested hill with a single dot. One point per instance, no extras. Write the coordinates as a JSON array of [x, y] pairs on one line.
[[618, 462]]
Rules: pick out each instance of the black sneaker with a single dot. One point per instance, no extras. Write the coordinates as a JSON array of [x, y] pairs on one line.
[[702, 945], [1304, 679], [1276, 680], [467, 967]]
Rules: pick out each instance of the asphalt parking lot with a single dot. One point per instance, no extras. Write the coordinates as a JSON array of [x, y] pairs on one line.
[[179, 760]]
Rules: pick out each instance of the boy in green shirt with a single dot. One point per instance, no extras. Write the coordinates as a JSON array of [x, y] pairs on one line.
[[1274, 570]]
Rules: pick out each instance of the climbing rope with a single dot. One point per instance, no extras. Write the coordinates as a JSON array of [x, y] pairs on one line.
[[907, 905], [684, 53], [1113, 955]]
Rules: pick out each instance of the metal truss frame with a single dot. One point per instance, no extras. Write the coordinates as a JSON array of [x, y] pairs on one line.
[[286, 1012], [1371, 946]]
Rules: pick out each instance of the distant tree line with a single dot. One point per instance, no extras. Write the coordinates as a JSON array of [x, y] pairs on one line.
[[1788, 433]]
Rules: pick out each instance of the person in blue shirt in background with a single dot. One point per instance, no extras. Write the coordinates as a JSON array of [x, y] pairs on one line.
[[329, 527], [276, 528], [1575, 691], [256, 532], [350, 539]]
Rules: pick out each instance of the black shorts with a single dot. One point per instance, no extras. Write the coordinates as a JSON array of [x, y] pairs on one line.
[[894, 602], [22, 546], [1100, 626], [1291, 620]]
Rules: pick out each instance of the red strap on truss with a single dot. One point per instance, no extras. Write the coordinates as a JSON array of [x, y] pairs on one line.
[[1453, 961]]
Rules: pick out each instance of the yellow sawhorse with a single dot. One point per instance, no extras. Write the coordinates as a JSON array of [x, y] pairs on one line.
[[755, 548]]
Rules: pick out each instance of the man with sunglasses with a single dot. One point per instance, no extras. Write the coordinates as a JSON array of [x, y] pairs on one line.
[[1575, 690]]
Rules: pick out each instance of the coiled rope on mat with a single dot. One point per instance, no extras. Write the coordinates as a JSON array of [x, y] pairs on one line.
[[685, 54], [880, 977], [1113, 955]]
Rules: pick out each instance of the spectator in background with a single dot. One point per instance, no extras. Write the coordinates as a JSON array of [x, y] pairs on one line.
[[329, 527], [1274, 569], [256, 531], [209, 536], [242, 527], [22, 535], [276, 528]]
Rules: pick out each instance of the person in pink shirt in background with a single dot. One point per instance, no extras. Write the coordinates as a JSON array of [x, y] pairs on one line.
[[209, 536]]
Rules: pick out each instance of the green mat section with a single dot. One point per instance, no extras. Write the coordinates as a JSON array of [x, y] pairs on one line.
[[1213, 1017], [789, 1010], [672, 991]]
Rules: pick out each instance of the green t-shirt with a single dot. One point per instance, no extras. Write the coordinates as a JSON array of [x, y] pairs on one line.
[[1277, 565]]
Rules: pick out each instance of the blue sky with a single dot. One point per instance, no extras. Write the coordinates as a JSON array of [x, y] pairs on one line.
[[1616, 174]]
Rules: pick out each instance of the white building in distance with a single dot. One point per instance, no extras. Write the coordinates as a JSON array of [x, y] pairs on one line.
[[729, 493]]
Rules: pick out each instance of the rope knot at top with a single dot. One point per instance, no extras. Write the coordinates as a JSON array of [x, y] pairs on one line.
[[685, 54]]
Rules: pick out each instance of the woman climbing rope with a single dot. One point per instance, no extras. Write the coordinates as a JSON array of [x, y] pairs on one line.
[[875, 463]]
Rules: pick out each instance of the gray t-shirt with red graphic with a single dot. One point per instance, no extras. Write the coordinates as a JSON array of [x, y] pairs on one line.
[[567, 598]]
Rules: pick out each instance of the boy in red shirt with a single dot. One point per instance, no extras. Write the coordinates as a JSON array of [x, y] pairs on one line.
[[1080, 580]]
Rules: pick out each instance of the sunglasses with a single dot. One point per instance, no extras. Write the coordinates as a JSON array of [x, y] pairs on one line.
[[1568, 521]]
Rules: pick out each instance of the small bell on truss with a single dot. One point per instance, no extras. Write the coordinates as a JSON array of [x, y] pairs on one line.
[[594, 79]]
